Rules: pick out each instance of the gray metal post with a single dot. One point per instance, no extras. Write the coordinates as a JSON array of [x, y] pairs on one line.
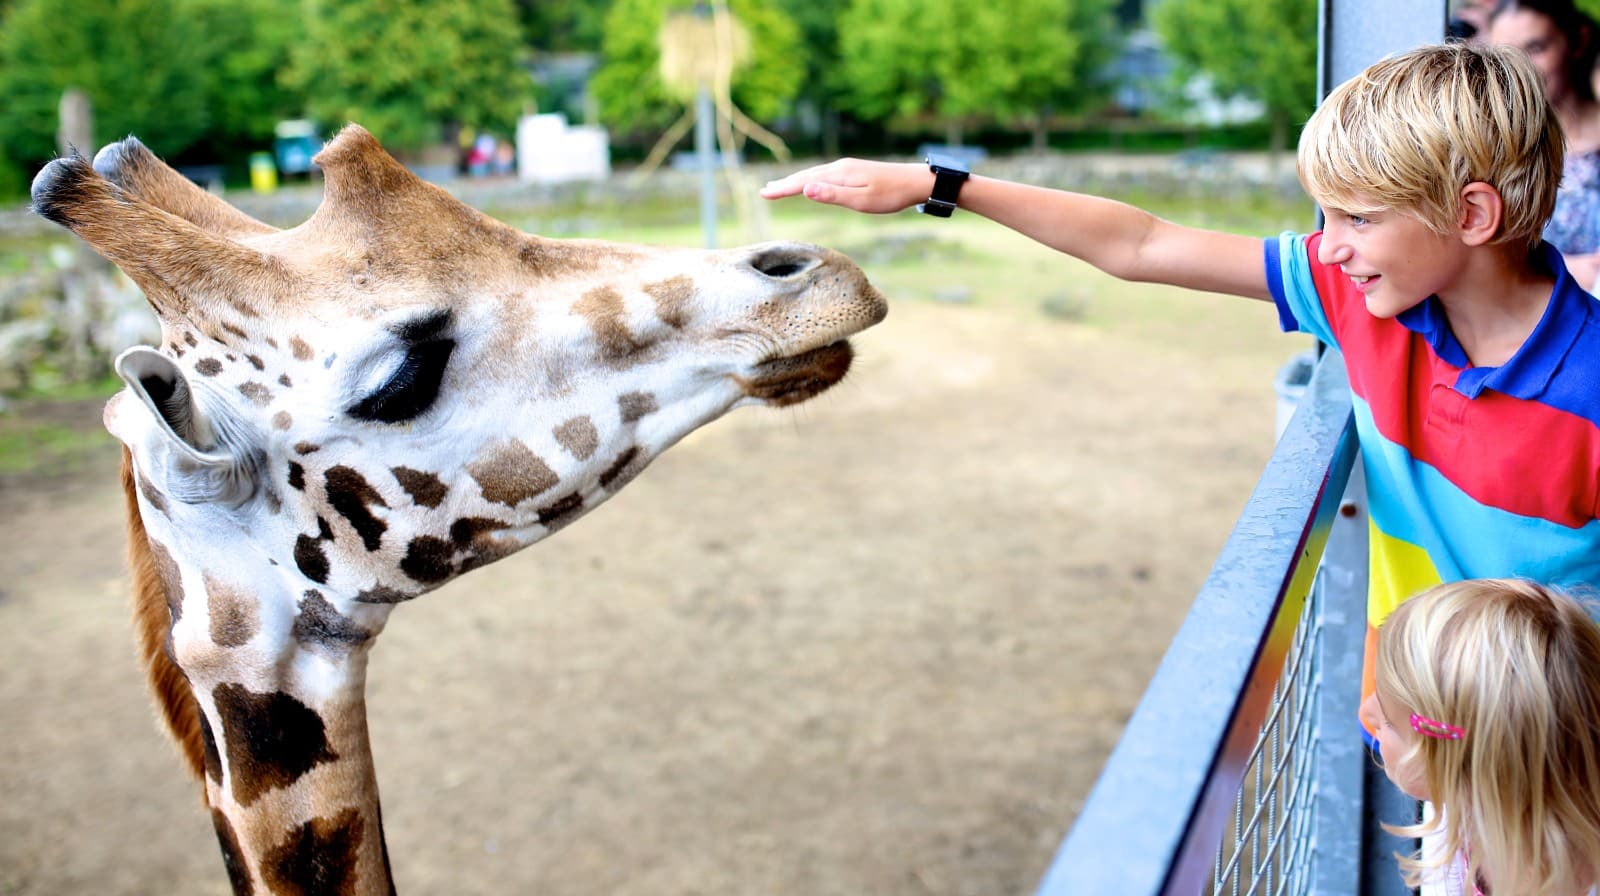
[[705, 149], [1341, 754], [1352, 35]]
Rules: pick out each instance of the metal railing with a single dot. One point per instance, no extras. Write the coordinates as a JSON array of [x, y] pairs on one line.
[[1242, 771]]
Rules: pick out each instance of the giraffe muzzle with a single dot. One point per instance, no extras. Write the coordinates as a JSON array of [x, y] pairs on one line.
[[791, 380]]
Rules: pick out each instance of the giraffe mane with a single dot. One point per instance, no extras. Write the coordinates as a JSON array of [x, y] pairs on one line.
[[151, 622]]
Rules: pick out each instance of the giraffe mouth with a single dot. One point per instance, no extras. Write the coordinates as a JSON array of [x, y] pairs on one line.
[[791, 380]]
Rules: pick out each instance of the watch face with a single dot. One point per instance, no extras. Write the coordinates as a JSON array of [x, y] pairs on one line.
[[946, 163]]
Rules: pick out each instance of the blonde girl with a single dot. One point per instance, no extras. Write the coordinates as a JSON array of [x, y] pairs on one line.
[[1488, 705]]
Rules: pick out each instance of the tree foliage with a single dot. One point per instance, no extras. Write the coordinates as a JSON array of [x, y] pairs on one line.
[[409, 69], [1265, 50], [562, 26], [141, 63], [246, 48], [628, 84], [968, 61]]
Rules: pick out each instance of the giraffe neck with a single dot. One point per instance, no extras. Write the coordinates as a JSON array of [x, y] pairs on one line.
[[292, 788], [276, 668]]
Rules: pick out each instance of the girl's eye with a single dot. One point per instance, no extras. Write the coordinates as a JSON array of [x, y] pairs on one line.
[[413, 387]]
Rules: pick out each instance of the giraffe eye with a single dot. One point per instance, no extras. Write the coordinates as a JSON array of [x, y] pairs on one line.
[[412, 388]]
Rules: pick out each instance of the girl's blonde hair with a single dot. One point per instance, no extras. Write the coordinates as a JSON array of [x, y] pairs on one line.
[[1517, 665], [1409, 132]]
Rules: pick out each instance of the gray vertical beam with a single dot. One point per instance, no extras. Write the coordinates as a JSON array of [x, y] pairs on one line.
[[1338, 844], [1356, 33], [1352, 35]]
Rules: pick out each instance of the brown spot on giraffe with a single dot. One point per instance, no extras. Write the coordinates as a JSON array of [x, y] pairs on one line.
[[674, 300], [282, 420], [429, 560], [256, 362], [351, 496], [634, 406], [256, 392], [510, 473], [208, 741], [579, 437], [317, 858], [232, 855], [424, 488], [297, 477], [208, 366], [271, 740], [232, 610], [476, 538], [319, 624], [383, 594], [604, 309], [284, 381], [311, 558], [151, 494], [561, 512], [300, 350], [171, 578]]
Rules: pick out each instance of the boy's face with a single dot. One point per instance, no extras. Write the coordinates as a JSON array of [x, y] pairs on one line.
[[1393, 259], [1380, 713]]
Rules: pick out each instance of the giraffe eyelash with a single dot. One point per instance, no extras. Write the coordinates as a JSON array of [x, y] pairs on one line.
[[412, 388]]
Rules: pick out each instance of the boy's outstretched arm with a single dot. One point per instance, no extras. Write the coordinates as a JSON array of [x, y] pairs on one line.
[[1126, 242]]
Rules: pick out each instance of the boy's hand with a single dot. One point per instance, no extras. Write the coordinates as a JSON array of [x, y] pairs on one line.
[[873, 187]]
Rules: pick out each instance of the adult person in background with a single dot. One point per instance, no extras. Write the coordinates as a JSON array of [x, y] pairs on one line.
[[1563, 42], [1468, 19]]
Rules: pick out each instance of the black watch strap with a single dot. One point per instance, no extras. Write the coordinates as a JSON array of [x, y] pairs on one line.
[[949, 174]]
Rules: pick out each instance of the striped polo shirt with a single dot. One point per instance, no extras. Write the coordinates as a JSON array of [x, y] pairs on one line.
[[1472, 472]]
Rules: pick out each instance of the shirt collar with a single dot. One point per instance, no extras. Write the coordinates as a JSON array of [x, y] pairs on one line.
[[1528, 371]]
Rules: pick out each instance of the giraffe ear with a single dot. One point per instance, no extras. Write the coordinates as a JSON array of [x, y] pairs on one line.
[[199, 451]]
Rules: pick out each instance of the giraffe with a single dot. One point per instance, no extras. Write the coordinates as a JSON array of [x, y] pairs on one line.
[[346, 414]]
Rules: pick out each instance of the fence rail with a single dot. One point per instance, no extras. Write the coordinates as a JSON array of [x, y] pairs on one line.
[[1241, 770]]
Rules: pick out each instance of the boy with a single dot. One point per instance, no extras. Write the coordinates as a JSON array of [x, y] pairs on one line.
[[1473, 356]]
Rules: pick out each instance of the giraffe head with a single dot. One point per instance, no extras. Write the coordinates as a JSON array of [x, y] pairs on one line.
[[349, 413], [402, 388]]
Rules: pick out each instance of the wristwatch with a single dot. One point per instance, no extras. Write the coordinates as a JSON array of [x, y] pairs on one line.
[[949, 174]]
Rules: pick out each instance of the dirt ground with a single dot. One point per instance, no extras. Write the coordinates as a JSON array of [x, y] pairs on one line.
[[877, 644]]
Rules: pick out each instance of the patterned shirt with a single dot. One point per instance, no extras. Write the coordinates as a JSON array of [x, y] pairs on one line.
[[1471, 471], [1574, 228]]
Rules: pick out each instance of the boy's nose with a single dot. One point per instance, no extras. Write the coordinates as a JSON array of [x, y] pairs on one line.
[[1333, 250]]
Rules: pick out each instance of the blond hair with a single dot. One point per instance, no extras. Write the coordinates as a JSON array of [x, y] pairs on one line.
[[1517, 665], [1409, 132]]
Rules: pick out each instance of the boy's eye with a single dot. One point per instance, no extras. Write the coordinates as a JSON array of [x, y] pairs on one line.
[[1356, 220]]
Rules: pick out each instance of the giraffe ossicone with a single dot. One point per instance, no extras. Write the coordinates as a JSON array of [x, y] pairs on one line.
[[346, 414]]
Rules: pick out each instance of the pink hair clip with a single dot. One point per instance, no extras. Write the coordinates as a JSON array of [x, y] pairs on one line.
[[1441, 730]]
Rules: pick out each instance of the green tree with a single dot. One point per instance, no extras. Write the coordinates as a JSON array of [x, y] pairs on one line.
[[818, 21], [628, 84], [247, 48], [141, 63], [968, 61], [1265, 50], [562, 26], [410, 70]]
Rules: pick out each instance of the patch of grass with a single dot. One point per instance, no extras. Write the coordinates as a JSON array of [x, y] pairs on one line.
[[32, 446]]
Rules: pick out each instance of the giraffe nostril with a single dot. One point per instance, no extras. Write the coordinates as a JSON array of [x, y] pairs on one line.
[[781, 264]]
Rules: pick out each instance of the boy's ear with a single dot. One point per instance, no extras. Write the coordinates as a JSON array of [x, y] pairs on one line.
[[1482, 211]]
